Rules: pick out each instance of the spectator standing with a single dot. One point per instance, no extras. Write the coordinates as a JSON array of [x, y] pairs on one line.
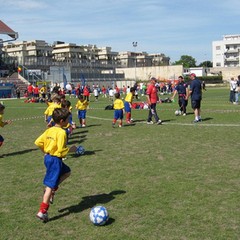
[[30, 90], [152, 99], [195, 92], [233, 89]]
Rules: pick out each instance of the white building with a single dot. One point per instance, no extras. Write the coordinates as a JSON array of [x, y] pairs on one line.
[[226, 52]]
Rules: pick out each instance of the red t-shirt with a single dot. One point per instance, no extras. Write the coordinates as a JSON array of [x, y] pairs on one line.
[[30, 88], [152, 93]]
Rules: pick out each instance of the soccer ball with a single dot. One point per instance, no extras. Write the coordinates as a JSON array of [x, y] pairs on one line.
[[177, 112], [80, 151], [98, 215]]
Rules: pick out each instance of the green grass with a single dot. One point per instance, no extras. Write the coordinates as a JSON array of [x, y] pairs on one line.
[[175, 181]]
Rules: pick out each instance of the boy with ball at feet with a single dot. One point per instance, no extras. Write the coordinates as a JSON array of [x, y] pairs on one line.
[[53, 144]]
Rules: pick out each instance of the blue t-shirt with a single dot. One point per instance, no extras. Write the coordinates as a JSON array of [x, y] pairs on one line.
[[181, 89], [196, 88]]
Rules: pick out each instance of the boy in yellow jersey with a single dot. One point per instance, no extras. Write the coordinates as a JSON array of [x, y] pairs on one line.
[[53, 144], [71, 125], [2, 123], [128, 104], [81, 106], [56, 103], [118, 107]]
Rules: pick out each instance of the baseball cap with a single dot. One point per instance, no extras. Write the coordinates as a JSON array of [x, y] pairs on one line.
[[193, 74]]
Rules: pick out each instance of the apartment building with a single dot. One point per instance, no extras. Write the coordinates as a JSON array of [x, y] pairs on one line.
[[36, 53], [226, 52]]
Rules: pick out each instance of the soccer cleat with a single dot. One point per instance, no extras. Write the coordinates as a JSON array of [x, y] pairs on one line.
[[184, 114], [151, 122], [195, 121], [83, 125], [159, 122], [42, 216], [119, 125], [113, 125]]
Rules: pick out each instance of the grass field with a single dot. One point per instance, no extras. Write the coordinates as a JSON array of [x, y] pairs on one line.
[[178, 180]]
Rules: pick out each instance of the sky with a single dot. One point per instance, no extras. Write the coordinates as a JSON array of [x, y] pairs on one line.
[[171, 27]]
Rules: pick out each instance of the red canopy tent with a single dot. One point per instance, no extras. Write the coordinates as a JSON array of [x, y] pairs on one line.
[[4, 29]]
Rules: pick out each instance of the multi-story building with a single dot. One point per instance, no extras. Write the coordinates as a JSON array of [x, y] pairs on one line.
[[87, 60], [226, 52], [36, 53]]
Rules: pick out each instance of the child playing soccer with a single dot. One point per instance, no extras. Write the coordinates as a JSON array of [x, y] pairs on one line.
[[128, 104], [118, 107], [71, 125], [81, 106], [53, 144], [2, 123], [56, 103]]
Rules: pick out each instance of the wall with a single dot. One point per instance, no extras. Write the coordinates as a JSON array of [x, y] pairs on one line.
[[227, 72], [159, 72]]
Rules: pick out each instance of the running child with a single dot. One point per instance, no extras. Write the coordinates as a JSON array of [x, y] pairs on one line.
[[81, 106], [53, 144]]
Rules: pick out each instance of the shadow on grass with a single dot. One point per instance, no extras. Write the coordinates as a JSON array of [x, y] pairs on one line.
[[206, 119], [86, 153], [129, 125], [87, 203], [19, 152]]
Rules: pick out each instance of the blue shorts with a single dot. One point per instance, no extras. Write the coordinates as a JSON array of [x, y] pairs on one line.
[[70, 119], [127, 107], [118, 114], [55, 168], [50, 120], [82, 114], [1, 140]]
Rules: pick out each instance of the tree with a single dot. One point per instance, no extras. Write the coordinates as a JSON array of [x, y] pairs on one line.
[[206, 64], [186, 61]]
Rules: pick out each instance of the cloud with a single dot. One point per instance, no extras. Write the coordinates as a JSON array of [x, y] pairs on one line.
[[24, 5]]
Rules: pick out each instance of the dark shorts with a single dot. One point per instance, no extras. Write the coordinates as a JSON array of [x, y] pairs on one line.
[[55, 168], [196, 104]]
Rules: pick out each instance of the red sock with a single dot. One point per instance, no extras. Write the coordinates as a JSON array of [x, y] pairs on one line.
[[43, 207]]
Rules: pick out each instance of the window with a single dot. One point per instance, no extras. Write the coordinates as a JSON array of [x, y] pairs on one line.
[[218, 47]]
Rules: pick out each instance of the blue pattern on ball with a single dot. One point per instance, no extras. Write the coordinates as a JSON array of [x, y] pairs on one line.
[[80, 150], [98, 215]]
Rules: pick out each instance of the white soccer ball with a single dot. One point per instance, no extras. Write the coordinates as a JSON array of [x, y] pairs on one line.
[[177, 112], [98, 215], [80, 150]]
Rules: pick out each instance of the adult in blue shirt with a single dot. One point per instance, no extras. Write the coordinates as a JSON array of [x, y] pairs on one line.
[[195, 92], [181, 89]]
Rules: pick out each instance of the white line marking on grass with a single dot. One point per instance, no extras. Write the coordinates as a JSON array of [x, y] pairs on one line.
[[26, 118], [181, 124]]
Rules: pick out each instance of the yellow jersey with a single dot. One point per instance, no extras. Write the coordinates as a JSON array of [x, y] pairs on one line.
[[82, 105], [118, 104], [129, 97], [53, 141], [51, 108]]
